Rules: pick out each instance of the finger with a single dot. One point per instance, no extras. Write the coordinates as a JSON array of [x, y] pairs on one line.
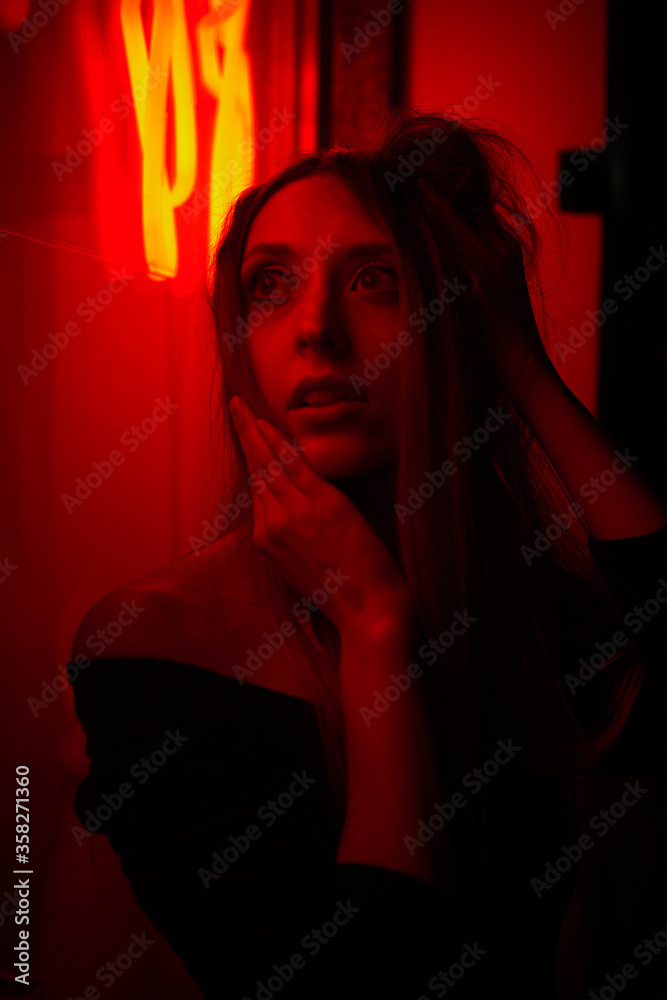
[[292, 463], [258, 514], [262, 500], [486, 243], [282, 467], [268, 463], [255, 448]]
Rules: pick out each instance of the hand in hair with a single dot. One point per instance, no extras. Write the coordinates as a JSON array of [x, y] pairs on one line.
[[494, 258], [308, 527], [516, 348]]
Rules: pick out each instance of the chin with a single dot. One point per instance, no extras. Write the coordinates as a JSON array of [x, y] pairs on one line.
[[342, 459]]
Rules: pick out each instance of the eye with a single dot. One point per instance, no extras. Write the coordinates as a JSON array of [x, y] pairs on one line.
[[376, 278], [267, 280]]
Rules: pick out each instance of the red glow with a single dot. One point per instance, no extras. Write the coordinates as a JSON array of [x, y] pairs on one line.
[[99, 179], [162, 74]]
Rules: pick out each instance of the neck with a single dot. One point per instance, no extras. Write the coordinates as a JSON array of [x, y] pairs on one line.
[[373, 496]]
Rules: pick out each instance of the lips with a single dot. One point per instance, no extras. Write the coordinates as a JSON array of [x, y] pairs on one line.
[[324, 390]]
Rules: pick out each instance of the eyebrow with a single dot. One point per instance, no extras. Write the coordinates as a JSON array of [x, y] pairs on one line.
[[354, 252]]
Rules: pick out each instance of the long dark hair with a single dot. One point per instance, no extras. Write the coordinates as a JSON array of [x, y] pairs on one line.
[[463, 549]]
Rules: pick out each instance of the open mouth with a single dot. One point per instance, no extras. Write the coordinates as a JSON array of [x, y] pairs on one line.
[[329, 410], [327, 398]]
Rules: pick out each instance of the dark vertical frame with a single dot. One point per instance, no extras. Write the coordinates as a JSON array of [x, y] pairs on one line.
[[633, 360], [355, 90], [326, 19], [625, 183]]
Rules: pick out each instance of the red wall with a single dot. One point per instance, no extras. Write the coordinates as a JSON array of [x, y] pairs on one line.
[[78, 376], [548, 71], [68, 235]]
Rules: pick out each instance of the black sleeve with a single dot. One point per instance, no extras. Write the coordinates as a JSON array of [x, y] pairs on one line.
[[215, 799], [636, 571]]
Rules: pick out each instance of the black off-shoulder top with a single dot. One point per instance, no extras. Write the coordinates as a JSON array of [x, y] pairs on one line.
[[215, 797]]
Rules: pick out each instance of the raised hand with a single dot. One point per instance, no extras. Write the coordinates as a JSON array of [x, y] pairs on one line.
[[306, 527], [494, 259]]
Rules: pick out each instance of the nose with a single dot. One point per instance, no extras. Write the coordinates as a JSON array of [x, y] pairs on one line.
[[320, 325]]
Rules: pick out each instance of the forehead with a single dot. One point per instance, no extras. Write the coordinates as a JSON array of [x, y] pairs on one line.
[[318, 205]]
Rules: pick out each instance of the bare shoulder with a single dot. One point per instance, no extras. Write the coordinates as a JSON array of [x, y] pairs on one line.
[[199, 609], [190, 610]]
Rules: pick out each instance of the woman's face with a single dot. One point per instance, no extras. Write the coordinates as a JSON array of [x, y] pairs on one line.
[[325, 302]]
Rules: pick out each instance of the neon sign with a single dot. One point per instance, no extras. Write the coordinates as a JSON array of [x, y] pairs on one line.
[[167, 118]]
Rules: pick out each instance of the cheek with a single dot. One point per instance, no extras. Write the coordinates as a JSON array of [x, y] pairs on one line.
[[385, 371], [264, 362]]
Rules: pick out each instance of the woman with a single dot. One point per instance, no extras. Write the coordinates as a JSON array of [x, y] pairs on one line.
[[369, 682]]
